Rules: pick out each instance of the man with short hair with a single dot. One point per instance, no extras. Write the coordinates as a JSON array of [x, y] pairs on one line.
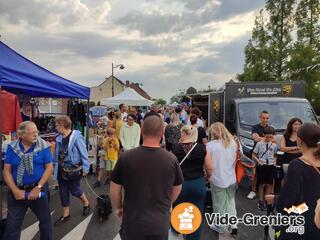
[[258, 135], [123, 111], [27, 168], [257, 130], [151, 178]]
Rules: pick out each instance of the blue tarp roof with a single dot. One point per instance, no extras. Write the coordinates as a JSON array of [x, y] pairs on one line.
[[20, 75]]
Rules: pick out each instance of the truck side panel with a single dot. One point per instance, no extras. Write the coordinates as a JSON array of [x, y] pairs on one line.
[[216, 106], [261, 89]]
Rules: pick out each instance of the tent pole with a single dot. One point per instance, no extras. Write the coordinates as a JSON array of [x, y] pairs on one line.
[[87, 130], [1, 173]]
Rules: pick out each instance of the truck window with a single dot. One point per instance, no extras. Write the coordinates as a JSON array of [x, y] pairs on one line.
[[280, 113]]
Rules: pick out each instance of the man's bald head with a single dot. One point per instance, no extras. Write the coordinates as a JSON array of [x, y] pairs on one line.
[[152, 126]]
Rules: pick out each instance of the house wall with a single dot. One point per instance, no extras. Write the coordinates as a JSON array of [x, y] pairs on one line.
[[105, 90]]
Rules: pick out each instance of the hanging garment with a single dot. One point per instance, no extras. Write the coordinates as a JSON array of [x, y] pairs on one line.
[[10, 116], [76, 112]]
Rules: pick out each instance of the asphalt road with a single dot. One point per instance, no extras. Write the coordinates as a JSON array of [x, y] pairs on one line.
[[89, 228]]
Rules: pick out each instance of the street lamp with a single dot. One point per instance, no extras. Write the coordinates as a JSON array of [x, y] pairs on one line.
[[121, 66]]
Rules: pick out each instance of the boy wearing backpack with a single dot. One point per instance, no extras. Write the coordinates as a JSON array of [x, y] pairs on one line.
[[264, 154]]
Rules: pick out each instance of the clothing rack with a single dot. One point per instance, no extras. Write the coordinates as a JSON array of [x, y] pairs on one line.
[[51, 113]]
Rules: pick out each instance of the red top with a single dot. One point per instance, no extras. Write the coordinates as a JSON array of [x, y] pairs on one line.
[[10, 115]]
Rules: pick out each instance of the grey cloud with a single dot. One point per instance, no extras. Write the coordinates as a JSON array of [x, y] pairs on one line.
[[152, 24], [85, 44], [42, 13], [229, 60], [92, 45], [229, 8], [199, 12], [29, 11]]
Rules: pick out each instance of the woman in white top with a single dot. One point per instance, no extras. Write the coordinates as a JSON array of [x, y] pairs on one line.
[[223, 150]]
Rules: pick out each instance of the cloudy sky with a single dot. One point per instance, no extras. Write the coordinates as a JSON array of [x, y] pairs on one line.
[[166, 45]]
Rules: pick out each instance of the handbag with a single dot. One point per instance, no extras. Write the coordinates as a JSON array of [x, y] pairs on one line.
[[244, 166], [239, 168], [70, 172]]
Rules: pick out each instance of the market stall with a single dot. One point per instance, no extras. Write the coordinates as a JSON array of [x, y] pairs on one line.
[[19, 75]]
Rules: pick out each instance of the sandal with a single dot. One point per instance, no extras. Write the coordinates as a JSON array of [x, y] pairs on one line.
[[86, 210]]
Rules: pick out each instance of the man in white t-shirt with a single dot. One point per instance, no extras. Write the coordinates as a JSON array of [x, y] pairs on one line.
[[124, 114]]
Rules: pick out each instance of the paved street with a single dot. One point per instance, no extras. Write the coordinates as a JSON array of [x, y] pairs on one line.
[[89, 228]]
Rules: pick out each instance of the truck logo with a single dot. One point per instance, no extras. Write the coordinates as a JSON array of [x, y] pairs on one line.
[[216, 106], [241, 90], [287, 90]]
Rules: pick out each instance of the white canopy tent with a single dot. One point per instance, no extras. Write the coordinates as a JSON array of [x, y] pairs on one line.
[[129, 97]]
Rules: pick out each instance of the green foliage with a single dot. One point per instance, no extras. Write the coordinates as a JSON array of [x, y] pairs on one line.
[[174, 99], [305, 54], [159, 101], [285, 45], [191, 90]]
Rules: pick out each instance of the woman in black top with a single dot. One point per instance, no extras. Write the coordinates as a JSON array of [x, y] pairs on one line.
[[288, 143], [193, 187], [302, 183]]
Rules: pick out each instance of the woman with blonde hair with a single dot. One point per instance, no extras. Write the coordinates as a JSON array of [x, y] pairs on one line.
[[223, 150], [172, 131], [196, 167]]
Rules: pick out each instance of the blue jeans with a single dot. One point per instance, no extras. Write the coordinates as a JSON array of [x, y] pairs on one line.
[[193, 191], [17, 210], [67, 187]]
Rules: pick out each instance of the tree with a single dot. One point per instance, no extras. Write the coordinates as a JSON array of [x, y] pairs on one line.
[[191, 90], [257, 55], [307, 20], [174, 99], [279, 29], [268, 51], [159, 101], [272, 55], [305, 54]]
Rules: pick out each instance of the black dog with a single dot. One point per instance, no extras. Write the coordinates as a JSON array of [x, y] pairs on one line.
[[104, 207]]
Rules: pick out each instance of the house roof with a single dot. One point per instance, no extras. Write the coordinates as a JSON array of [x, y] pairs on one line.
[[138, 89], [115, 78], [134, 86]]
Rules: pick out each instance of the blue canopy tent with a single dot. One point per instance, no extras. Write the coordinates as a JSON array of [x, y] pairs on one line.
[[20, 75]]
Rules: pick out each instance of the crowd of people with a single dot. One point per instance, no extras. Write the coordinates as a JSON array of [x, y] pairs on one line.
[[161, 159]]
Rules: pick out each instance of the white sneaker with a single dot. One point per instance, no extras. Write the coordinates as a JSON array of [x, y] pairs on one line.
[[251, 195]]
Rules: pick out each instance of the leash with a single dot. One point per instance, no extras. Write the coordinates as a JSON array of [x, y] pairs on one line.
[[88, 185]]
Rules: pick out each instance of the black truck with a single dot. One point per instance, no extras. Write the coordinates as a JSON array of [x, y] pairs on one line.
[[239, 105]]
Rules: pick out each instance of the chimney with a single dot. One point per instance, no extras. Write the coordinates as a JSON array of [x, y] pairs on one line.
[[127, 83]]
